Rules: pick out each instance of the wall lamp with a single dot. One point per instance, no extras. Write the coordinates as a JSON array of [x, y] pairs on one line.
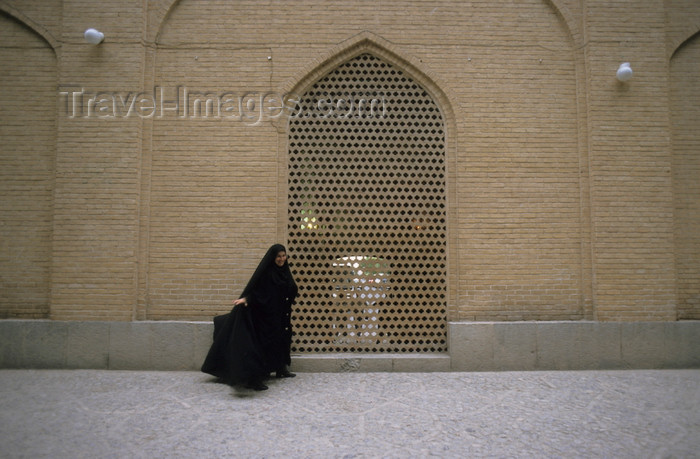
[[94, 36], [624, 72]]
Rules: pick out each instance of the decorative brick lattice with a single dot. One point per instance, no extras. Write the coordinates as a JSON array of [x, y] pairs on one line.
[[367, 229]]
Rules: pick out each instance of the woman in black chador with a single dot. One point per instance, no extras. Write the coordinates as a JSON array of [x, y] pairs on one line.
[[254, 339]]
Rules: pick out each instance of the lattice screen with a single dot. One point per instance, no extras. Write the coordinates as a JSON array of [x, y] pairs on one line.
[[367, 230]]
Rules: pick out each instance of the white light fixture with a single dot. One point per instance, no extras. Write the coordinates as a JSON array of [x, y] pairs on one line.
[[94, 36], [624, 73]]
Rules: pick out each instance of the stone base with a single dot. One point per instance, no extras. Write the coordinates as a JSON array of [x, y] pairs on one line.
[[337, 363], [498, 346], [143, 345], [473, 346]]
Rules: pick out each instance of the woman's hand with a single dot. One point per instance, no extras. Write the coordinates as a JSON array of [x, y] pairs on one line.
[[240, 301]]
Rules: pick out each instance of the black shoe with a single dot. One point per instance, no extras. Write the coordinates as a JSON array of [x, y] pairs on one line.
[[285, 374], [256, 385]]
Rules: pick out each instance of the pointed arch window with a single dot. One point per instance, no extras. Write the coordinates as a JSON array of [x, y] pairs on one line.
[[367, 212]]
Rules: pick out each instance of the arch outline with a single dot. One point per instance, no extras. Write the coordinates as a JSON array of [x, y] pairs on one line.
[[23, 19], [157, 18], [691, 35], [367, 42], [573, 28]]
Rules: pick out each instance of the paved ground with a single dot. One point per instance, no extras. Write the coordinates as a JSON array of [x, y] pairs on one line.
[[121, 414]]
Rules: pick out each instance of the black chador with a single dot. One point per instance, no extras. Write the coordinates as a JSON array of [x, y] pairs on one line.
[[254, 339]]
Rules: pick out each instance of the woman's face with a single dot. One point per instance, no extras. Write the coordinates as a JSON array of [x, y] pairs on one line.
[[281, 258]]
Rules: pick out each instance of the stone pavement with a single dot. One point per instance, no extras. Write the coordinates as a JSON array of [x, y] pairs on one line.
[[141, 414]]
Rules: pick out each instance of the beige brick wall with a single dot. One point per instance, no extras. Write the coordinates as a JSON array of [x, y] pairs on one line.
[[517, 161], [630, 163], [685, 125], [27, 152], [97, 191], [571, 195]]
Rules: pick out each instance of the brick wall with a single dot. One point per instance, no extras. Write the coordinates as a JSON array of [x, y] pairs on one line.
[[630, 163], [570, 195], [28, 147], [685, 124], [518, 184]]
